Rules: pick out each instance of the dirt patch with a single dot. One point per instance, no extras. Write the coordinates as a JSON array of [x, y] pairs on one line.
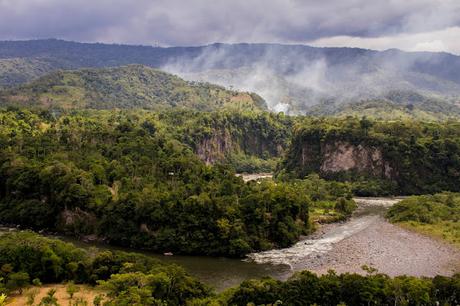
[[86, 293], [254, 176]]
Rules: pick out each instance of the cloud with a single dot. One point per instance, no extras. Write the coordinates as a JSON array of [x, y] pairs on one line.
[[434, 41], [196, 22]]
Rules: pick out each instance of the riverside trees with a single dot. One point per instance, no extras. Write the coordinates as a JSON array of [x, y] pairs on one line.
[[134, 279]]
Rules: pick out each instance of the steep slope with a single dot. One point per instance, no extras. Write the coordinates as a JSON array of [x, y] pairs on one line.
[[249, 141], [133, 86]]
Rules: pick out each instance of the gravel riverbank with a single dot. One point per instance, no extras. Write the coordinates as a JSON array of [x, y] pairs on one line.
[[391, 250], [368, 239]]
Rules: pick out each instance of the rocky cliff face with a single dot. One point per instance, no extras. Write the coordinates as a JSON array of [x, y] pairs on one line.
[[214, 148], [221, 143], [338, 156], [342, 156], [79, 223]]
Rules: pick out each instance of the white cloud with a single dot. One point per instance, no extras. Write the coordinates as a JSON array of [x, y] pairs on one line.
[[447, 40]]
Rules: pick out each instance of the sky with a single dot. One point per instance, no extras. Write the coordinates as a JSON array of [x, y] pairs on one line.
[[412, 25]]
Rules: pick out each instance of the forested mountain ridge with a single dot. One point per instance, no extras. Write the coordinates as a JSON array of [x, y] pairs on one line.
[[291, 78], [132, 86]]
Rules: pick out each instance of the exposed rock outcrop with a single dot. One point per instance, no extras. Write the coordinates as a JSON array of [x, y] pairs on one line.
[[343, 156], [338, 156], [221, 143], [77, 221], [214, 148]]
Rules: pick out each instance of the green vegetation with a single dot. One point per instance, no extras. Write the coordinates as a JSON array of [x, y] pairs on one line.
[[124, 178], [54, 261], [249, 141], [133, 279], [306, 288], [396, 105], [49, 299], [131, 86], [378, 157], [15, 71], [71, 289], [435, 215], [141, 158], [330, 201]]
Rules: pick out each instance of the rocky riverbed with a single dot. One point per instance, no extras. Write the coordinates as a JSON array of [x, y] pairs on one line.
[[368, 239]]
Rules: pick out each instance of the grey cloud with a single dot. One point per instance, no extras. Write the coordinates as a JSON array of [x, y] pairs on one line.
[[195, 22]]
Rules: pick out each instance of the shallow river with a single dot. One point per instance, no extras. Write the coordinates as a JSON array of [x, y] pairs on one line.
[[364, 239], [369, 210]]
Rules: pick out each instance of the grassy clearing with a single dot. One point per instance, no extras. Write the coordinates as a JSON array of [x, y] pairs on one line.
[[446, 230], [324, 215], [436, 215]]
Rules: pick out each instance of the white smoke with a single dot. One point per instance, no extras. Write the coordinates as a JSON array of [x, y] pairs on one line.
[[283, 92], [294, 82]]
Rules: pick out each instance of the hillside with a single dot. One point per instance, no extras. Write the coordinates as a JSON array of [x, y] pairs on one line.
[[15, 71], [132, 86], [291, 78]]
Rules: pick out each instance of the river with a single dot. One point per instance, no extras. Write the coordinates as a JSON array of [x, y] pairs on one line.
[[365, 239]]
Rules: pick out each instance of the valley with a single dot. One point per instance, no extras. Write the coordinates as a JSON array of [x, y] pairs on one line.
[[229, 174]]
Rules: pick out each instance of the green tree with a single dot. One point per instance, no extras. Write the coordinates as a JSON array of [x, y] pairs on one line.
[[98, 300], [71, 289], [17, 281], [49, 299]]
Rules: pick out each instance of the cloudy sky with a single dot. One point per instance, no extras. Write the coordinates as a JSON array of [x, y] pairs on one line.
[[414, 25]]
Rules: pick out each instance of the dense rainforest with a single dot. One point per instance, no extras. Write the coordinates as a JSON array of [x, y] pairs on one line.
[[125, 177], [379, 157], [166, 180], [133, 279], [249, 141]]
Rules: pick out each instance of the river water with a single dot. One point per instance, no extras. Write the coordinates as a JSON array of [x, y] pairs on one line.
[[222, 273]]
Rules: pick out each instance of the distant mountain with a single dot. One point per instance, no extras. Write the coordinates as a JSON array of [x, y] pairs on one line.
[[291, 78], [133, 86]]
